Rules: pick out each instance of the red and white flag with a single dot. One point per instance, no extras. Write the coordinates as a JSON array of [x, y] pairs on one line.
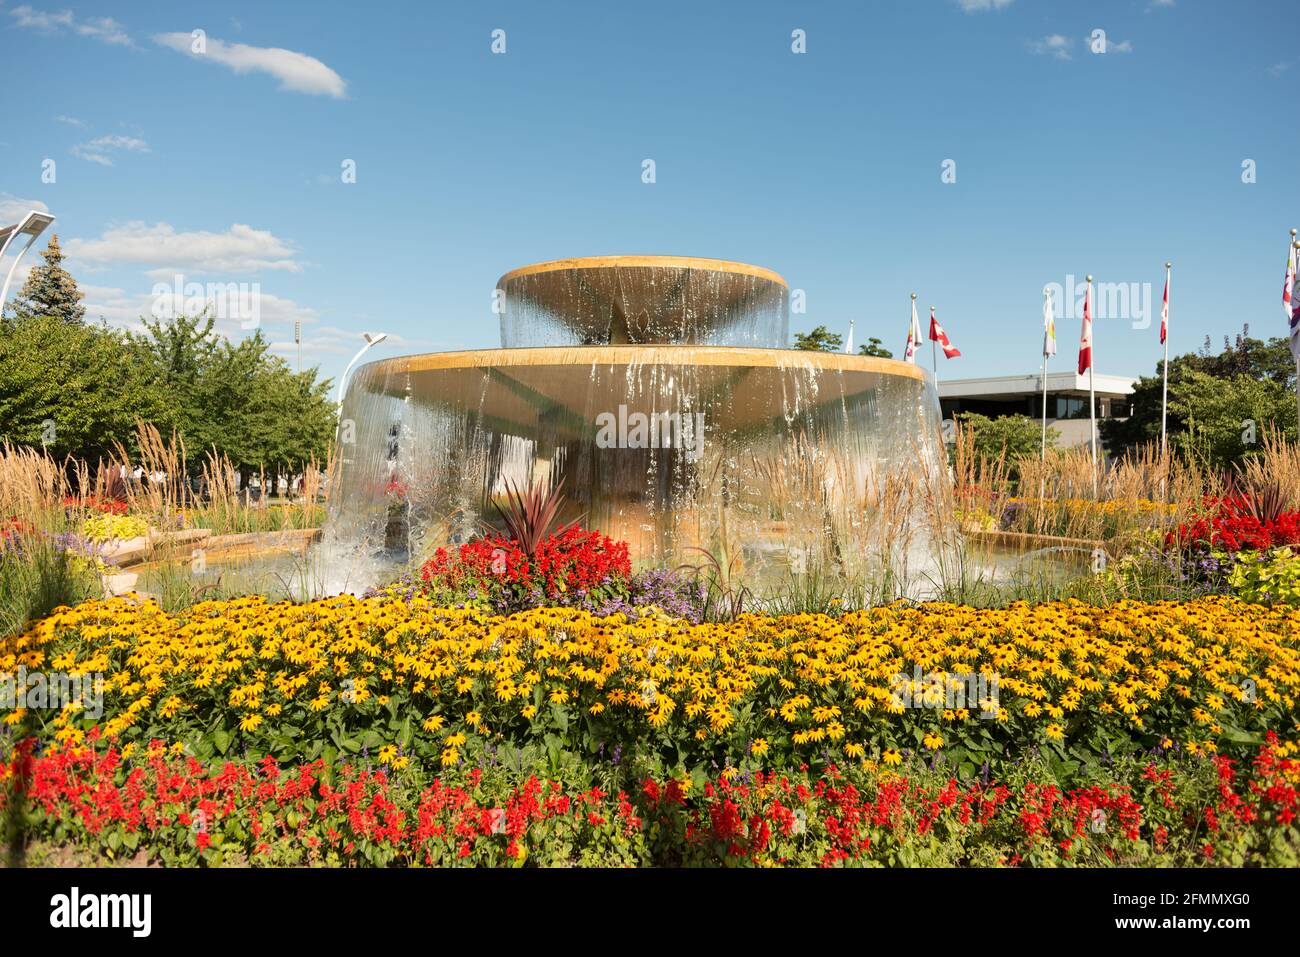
[[1289, 302], [938, 335], [1164, 312], [1085, 338], [1288, 285]]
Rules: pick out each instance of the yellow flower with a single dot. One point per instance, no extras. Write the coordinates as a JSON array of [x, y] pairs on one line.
[[1055, 732], [250, 722], [891, 757], [932, 741], [387, 753]]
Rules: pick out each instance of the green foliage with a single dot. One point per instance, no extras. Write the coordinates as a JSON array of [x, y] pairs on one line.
[[75, 388], [1267, 577], [1011, 436], [50, 290], [874, 347], [1225, 419], [36, 577], [80, 389], [237, 397], [820, 339], [1209, 398]]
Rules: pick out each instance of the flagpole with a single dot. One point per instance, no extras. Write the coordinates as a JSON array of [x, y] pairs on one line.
[[1049, 350], [911, 332], [1092, 391], [1164, 401], [1295, 244], [1042, 457], [934, 349]]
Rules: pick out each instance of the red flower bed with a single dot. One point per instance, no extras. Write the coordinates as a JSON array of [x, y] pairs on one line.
[[13, 529], [1232, 528], [573, 559], [182, 812], [109, 506]]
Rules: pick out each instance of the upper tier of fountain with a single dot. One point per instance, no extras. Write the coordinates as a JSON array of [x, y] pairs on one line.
[[635, 300]]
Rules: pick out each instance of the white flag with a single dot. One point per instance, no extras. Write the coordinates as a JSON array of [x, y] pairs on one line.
[[913, 337], [1049, 326], [848, 345]]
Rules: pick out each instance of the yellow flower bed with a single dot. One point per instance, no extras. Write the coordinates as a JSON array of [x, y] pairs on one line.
[[426, 681], [102, 527]]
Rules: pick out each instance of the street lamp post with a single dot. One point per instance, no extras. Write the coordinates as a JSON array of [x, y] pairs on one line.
[[32, 225], [372, 339]]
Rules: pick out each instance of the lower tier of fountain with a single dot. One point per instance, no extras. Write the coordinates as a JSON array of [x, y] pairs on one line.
[[781, 461]]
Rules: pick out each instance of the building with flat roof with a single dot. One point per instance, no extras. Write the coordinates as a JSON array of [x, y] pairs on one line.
[[1067, 399]]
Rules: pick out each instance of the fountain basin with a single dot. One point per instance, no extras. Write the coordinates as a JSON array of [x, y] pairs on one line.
[[775, 458]]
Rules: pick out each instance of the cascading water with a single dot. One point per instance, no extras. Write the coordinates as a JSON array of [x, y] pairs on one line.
[[657, 390]]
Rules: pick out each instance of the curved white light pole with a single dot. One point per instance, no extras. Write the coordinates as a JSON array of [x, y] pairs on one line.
[[372, 339], [33, 225]]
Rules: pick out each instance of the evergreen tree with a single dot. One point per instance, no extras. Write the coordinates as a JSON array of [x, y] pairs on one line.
[[50, 289], [874, 347], [820, 339]]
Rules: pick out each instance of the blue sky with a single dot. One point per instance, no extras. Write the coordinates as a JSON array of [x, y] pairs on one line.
[[824, 166]]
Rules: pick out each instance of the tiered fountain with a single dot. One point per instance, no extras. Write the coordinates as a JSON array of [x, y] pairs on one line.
[[661, 392]]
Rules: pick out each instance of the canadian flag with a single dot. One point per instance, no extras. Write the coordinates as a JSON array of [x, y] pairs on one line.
[[1288, 285], [1164, 312], [1085, 339], [938, 335], [1289, 302]]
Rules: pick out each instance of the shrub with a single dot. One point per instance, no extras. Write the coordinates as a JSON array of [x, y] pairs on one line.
[[1266, 577], [110, 527]]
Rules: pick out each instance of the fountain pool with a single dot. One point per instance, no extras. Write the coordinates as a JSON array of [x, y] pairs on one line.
[[656, 391]]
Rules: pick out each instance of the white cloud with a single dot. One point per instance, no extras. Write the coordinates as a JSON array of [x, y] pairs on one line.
[[104, 29], [97, 150], [71, 121], [1123, 46], [1054, 45], [297, 72], [166, 252], [1277, 69], [14, 208], [982, 6], [120, 308]]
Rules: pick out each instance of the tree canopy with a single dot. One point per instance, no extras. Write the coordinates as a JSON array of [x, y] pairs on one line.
[[79, 389], [1012, 436], [820, 339], [1220, 404]]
